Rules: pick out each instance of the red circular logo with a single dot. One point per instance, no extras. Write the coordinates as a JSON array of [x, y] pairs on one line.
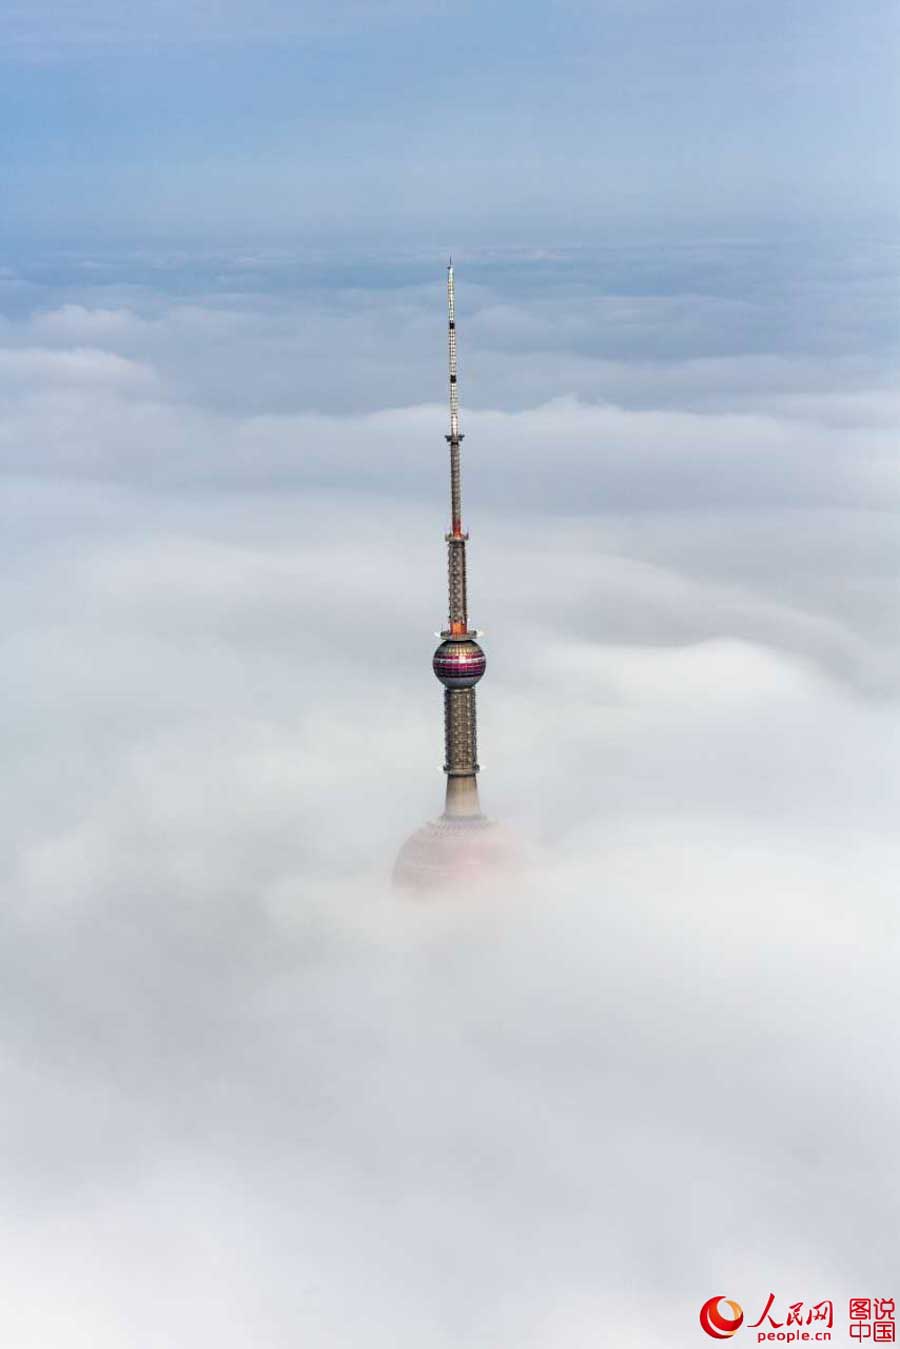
[[715, 1324]]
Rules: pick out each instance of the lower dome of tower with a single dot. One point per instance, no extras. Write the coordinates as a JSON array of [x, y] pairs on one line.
[[448, 853]]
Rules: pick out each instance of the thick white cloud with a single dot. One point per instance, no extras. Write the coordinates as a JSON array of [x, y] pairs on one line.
[[257, 1099], [185, 392]]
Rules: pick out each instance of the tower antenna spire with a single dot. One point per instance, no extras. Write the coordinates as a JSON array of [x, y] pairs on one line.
[[462, 844], [451, 345], [459, 661]]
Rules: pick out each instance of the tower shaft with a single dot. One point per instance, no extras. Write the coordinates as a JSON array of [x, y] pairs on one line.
[[462, 846], [463, 662]]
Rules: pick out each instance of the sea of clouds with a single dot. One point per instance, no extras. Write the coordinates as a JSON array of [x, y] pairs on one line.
[[252, 1097]]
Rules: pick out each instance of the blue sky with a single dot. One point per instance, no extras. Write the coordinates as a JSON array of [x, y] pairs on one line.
[[424, 121]]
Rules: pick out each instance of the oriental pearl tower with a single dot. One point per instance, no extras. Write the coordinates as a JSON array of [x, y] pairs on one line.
[[462, 844]]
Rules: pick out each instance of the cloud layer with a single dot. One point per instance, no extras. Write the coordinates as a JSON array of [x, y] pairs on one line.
[[259, 1100]]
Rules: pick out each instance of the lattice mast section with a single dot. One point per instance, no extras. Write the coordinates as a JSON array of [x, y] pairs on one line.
[[456, 539]]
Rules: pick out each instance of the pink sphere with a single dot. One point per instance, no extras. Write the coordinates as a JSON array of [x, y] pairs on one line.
[[459, 664]]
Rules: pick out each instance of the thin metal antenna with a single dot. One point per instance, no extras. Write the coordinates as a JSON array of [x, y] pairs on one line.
[[456, 539], [454, 391]]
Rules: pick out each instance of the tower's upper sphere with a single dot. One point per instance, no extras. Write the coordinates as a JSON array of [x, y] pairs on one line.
[[459, 664]]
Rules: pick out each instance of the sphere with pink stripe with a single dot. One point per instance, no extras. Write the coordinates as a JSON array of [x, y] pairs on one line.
[[459, 664]]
